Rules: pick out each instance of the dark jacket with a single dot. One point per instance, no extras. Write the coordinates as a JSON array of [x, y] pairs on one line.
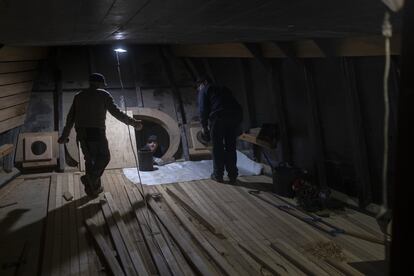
[[215, 101], [89, 109]]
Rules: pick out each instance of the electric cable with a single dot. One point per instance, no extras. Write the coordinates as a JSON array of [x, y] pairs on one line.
[[387, 32], [141, 191]]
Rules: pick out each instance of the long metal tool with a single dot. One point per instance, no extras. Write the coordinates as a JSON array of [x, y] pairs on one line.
[[313, 220]]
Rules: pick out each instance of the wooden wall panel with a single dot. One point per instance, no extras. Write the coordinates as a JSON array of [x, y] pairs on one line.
[[18, 77], [18, 67], [11, 67], [12, 123], [13, 111], [16, 88], [14, 100], [8, 53]]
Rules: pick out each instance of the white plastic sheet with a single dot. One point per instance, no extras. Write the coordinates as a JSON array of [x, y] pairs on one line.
[[189, 171]]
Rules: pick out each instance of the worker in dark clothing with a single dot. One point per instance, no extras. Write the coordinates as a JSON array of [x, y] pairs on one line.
[[220, 116], [88, 114]]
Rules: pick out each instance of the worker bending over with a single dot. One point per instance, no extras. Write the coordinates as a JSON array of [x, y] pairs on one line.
[[88, 114], [220, 116]]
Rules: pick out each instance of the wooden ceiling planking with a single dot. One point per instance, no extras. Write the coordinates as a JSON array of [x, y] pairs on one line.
[[24, 22]]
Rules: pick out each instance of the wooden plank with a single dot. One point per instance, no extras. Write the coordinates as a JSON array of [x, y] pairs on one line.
[[136, 259], [13, 100], [264, 261], [57, 235], [251, 138], [6, 149], [297, 259], [245, 226], [185, 245], [11, 67], [66, 258], [217, 258], [73, 230], [9, 53], [196, 212], [81, 229], [10, 78], [16, 88], [344, 267], [152, 235], [177, 253], [12, 123], [50, 228], [221, 241], [132, 225], [13, 111], [117, 240], [104, 249], [239, 232]]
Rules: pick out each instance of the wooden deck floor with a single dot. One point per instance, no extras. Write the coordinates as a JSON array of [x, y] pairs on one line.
[[218, 229]]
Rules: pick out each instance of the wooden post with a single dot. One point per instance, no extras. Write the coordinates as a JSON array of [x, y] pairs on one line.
[[248, 91], [358, 134], [277, 88], [58, 109], [276, 79], [314, 127], [138, 91], [191, 68], [178, 103], [208, 70]]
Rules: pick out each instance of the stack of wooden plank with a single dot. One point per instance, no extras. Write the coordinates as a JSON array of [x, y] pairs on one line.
[[199, 227]]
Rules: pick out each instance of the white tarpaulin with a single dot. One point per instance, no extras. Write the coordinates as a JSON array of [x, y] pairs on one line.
[[189, 171]]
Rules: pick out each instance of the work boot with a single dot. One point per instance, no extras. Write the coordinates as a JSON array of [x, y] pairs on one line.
[[85, 183], [217, 179], [233, 181]]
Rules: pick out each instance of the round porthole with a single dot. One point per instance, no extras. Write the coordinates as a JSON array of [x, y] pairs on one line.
[[38, 147]]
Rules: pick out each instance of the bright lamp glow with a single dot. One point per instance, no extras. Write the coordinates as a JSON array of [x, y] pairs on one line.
[[120, 50]]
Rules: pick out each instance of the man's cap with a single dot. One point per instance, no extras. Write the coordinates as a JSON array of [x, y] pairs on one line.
[[97, 77], [152, 138]]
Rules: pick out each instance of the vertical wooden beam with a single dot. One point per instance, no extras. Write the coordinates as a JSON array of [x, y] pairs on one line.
[[358, 134], [138, 91], [207, 67], [58, 108], [314, 127], [248, 91], [178, 102], [277, 88], [191, 68]]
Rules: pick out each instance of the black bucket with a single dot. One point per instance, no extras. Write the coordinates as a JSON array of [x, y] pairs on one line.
[[283, 177], [145, 160]]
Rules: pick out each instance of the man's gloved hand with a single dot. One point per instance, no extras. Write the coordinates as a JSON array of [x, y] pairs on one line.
[[205, 134], [63, 140], [138, 125]]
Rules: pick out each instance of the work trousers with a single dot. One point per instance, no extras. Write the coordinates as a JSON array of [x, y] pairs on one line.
[[96, 153], [223, 131]]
